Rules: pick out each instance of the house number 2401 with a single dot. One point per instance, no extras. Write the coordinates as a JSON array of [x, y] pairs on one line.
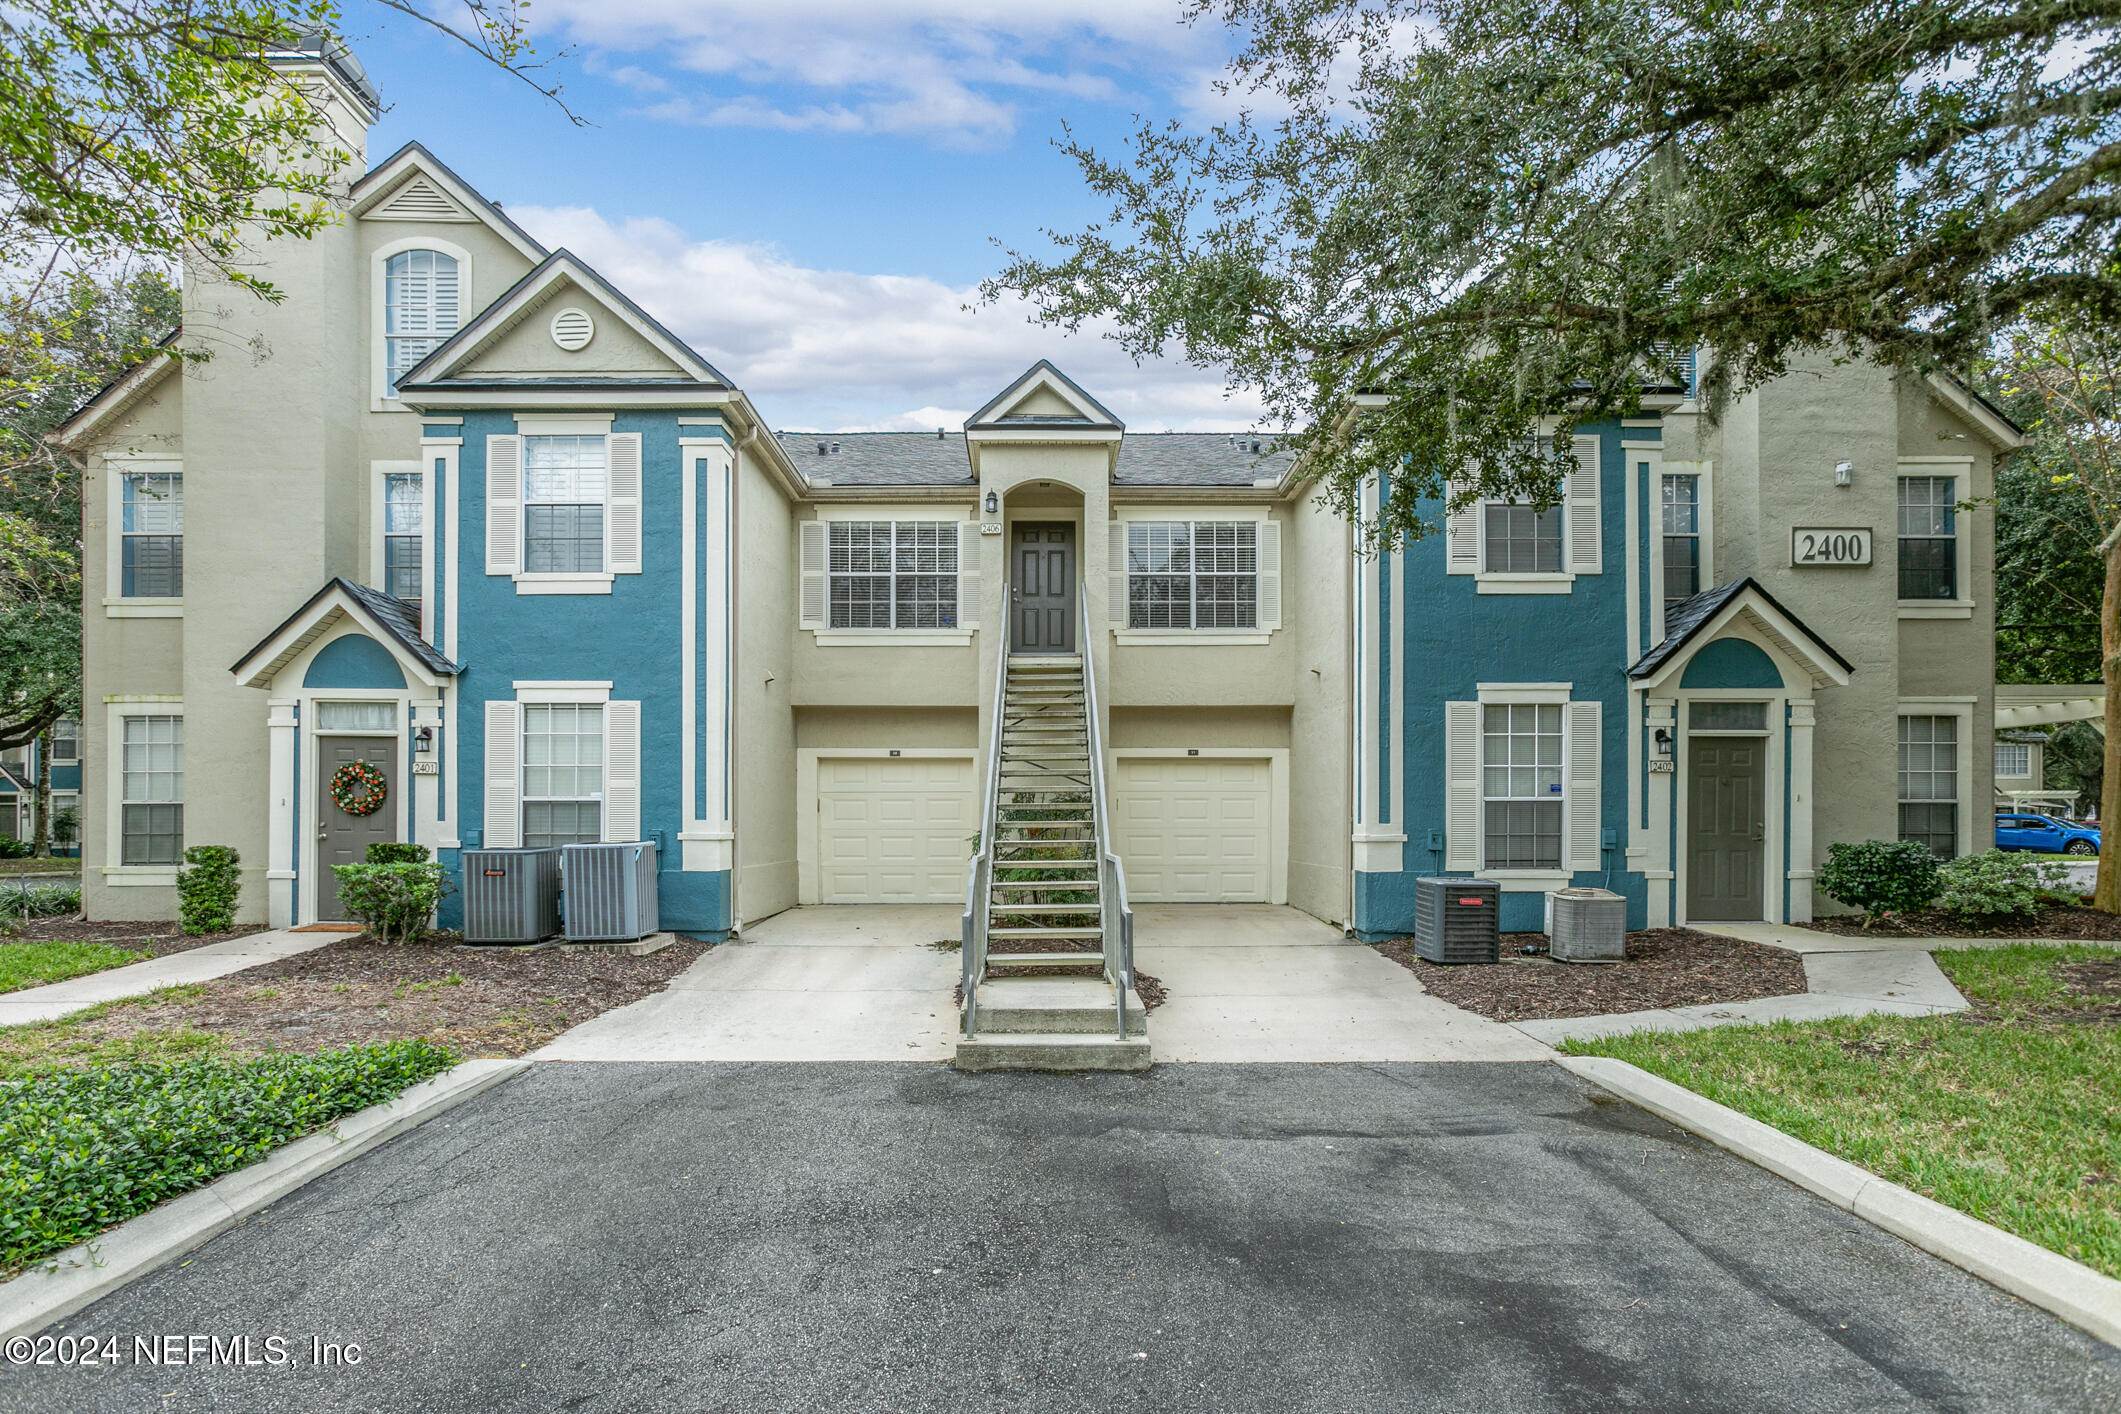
[[1830, 545]]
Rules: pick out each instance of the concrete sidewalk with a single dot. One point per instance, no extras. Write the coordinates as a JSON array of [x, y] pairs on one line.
[[1842, 976], [196, 965]]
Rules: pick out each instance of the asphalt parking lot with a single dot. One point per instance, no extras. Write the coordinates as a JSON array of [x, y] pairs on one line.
[[1332, 1238]]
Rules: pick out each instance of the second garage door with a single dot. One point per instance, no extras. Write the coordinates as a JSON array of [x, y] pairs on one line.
[[1194, 830], [893, 830]]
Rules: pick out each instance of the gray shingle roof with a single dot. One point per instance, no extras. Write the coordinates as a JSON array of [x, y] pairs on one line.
[[924, 459], [402, 621], [879, 458], [1685, 620], [1199, 459]]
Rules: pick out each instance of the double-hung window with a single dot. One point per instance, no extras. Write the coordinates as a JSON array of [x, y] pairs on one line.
[[1193, 574], [65, 739], [563, 773], [420, 309], [891, 574], [1521, 539], [1929, 541], [1521, 786], [402, 529], [151, 790], [152, 528], [1682, 538], [563, 505], [2014, 758], [1929, 782]]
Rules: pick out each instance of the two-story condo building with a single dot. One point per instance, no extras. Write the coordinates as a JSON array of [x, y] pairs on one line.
[[476, 519]]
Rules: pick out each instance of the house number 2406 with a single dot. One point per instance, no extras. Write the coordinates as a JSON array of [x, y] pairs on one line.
[[1830, 545]]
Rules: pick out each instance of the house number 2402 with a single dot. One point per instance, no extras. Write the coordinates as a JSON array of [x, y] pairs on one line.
[[1830, 545]]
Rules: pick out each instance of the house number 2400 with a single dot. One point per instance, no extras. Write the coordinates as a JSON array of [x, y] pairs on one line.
[[1830, 545]]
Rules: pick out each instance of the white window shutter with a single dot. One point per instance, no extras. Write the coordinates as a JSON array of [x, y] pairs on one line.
[[811, 536], [1461, 836], [622, 511], [968, 574], [1584, 833], [1586, 545], [504, 785], [622, 772], [1270, 575], [1116, 594], [1461, 536], [504, 505]]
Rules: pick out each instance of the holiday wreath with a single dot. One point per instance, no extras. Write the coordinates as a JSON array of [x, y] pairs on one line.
[[358, 788]]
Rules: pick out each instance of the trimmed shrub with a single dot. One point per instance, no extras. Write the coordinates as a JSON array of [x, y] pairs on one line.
[[396, 852], [1879, 876], [396, 901], [2000, 883], [83, 1150], [12, 848], [207, 890]]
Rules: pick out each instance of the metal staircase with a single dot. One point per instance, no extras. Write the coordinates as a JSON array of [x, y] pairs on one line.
[[1048, 974]]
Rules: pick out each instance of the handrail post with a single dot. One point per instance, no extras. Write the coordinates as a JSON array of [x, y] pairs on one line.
[[1115, 918], [979, 879]]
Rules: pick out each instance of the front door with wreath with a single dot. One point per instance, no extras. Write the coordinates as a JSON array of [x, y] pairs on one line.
[[357, 804]]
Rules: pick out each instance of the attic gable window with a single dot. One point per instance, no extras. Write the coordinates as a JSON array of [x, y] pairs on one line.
[[421, 308]]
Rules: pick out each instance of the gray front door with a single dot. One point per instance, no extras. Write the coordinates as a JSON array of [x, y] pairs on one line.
[[344, 838], [1726, 827], [1042, 589]]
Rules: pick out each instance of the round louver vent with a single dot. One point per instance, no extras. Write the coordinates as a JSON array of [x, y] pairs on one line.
[[572, 329]]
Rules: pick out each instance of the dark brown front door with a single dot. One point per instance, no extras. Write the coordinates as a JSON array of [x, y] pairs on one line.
[[1042, 589], [1726, 827], [344, 838]]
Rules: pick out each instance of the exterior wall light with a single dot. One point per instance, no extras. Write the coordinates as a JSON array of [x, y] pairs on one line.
[[423, 740], [1843, 472], [994, 503], [1663, 738]]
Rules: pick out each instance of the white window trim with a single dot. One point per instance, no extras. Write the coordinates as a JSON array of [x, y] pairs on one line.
[[569, 424], [1704, 474], [73, 760], [378, 356], [1962, 470], [1487, 581], [116, 710], [561, 694], [2024, 746], [1544, 694], [1200, 637], [565, 583], [1969, 801], [115, 469], [894, 512]]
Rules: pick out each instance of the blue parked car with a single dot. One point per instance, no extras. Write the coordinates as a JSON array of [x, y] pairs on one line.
[[2046, 834]]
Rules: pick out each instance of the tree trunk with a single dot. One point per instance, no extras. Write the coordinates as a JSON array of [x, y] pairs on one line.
[[2107, 896], [42, 848]]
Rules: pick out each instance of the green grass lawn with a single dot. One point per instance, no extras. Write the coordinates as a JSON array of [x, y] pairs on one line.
[[2010, 1112], [67, 865], [36, 963]]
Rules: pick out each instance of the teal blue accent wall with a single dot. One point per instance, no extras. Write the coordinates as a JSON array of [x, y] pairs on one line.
[[354, 661], [1732, 663]]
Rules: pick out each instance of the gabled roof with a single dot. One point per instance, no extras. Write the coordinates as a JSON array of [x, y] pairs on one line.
[[1087, 412], [119, 394], [390, 621], [440, 369], [381, 181], [1201, 459], [1991, 421], [1696, 621], [9, 781], [878, 458]]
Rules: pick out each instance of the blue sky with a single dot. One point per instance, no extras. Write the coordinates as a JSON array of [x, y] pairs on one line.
[[809, 189]]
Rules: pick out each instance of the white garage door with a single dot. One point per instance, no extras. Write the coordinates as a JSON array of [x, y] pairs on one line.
[[1192, 830], [893, 831]]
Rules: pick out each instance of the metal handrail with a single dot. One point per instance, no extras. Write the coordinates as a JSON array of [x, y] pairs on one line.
[[1115, 918], [980, 877]]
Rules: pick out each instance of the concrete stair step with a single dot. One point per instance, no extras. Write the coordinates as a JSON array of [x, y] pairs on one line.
[[1002, 934], [1076, 1006], [1045, 959], [1051, 1051]]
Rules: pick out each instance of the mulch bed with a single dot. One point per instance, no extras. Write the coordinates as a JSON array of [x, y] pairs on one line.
[[158, 939], [1665, 967], [479, 1002], [2062, 921]]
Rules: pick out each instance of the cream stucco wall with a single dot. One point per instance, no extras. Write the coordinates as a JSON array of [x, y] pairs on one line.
[[764, 689]]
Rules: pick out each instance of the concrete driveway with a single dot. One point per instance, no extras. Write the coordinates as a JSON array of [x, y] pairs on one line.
[[862, 983], [1237, 1239]]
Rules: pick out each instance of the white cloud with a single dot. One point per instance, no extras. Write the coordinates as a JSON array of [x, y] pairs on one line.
[[948, 69], [848, 351]]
